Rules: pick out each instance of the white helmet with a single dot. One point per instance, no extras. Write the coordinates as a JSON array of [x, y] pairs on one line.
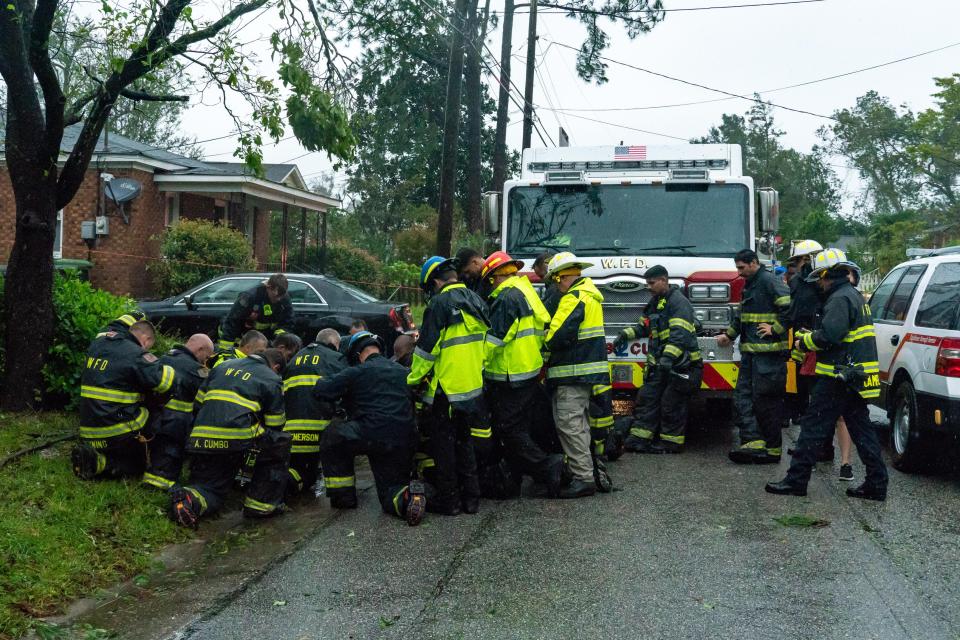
[[800, 248], [826, 260], [563, 261]]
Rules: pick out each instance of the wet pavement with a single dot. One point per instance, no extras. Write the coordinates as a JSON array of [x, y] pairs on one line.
[[687, 547]]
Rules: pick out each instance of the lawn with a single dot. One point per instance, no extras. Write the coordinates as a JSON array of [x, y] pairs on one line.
[[61, 538]]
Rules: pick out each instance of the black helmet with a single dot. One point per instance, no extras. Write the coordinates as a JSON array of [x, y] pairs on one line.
[[360, 341]]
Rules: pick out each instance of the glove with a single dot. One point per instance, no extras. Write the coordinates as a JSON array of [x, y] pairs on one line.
[[625, 336], [665, 365], [796, 355]]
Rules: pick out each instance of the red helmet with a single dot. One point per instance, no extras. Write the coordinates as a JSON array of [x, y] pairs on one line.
[[498, 260]]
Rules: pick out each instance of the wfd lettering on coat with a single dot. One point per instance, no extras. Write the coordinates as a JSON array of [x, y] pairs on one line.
[[238, 373]]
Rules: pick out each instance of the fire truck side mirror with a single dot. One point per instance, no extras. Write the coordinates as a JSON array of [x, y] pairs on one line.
[[769, 209], [491, 211]]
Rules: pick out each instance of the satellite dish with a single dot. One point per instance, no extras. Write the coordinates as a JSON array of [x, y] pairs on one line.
[[122, 190]]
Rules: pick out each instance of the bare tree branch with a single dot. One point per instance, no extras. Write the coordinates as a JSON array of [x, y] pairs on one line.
[[150, 97]]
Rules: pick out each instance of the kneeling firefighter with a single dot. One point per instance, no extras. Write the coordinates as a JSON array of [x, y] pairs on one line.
[[381, 426], [512, 365], [239, 426], [673, 371]]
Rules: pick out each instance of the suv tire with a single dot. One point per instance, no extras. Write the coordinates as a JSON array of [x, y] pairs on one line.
[[909, 446]]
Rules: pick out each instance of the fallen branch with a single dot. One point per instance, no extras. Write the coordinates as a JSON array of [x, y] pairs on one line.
[[16, 455]]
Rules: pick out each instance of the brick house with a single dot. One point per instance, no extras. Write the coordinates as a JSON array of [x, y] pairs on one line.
[[173, 187]]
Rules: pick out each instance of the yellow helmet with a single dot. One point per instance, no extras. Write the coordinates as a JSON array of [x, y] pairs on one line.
[[826, 260], [800, 248], [565, 261]]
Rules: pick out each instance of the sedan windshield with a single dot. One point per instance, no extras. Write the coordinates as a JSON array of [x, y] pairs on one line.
[[593, 220]]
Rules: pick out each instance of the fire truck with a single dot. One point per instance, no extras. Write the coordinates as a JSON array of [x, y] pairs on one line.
[[626, 208]]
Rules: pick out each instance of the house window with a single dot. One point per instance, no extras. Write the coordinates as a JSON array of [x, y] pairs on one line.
[[172, 211], [58, 237]]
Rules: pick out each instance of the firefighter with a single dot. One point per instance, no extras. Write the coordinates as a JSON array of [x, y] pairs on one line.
[[306, 416], [761, 323], [171, 427], [239, 426], [512, 367], [266, 308], [469, 264], [549, 293], [448, 361], [289, 344], [577, 362], [252, 342], [381, 426], [673, 370], [119, 370], [848, 374]]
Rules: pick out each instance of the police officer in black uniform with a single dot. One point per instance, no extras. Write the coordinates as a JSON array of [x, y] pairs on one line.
[[848, 374], [759, 398], [266, 308], [118, 372], [307, 417], [239, 426], [381, 426], [673, 371], [171, 425]]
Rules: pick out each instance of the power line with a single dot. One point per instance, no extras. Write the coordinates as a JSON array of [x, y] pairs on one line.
[[623, 126], [727, 6], [701, 86], [789, 86]]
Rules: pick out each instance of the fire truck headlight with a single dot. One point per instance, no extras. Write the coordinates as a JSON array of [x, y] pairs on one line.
[[719, 292], [699, 292], [701, 314], [720, 315]]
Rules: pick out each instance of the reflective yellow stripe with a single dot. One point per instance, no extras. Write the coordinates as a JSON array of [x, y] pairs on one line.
[[774, 451], [754, 444], [870, 367], [200, 396], [114, 430], [870, 393], [305, 448], [108, 395], [586, 333], [295, 475], [809, 343], [305, 424], [640, 432], [758, 317], [825, 370], [339, 482], [777, 327], [166, 380], [226, 433], [467, 339], [256, 505], [601, 388], [199, 496], [396, 501], [866, 331], [478, 432], [224, 344], [157, 481], [275, 419], [179, 405], [300, 381], [764, 347], [673, 350], [782, 301], [663, 335], [127, 319], [601, 423], [673, 439], [570, 370], [232, 397], [683, 324]]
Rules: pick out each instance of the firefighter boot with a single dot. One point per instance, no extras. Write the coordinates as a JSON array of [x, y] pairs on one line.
[[753, 452], [556, 477], [416, 499], [578, 489], [86, 462], [183, 509], [663, 446], [614, 446], [636, 444]]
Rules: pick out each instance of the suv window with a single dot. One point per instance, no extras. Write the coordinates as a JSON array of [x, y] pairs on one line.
[[896, 310], [303, 293], [225, 290], [941, 299], [880, 297]]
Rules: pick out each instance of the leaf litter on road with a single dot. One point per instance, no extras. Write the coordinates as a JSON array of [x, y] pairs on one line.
[[801, 521]]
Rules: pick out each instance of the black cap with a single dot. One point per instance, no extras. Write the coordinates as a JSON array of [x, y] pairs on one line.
[[656, 271]]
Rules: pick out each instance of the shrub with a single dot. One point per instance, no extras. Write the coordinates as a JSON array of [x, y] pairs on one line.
[[415, 244], [196, 250], [354, 265]]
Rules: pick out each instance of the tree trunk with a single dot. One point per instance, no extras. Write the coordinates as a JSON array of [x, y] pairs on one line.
[[503, 101], [28, 294], [451, 128], [474, 89]]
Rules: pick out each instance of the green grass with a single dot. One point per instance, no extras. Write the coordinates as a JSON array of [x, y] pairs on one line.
[[61, 538], [801, 521], [417, 311]]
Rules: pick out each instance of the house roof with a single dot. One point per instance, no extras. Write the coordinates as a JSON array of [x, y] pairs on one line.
[[175, 172]]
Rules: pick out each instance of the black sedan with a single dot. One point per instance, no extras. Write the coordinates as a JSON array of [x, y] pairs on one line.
[[319, 302]]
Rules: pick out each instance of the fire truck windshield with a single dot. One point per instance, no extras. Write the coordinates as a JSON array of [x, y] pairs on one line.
[[594, 220]]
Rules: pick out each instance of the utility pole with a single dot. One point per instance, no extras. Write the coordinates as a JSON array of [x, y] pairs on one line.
[[528, 89], [503, 103]]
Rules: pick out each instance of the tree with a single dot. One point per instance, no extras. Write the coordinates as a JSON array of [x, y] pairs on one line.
[[145, 36]]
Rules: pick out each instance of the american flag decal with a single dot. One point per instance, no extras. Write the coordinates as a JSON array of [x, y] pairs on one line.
[[630, 153]]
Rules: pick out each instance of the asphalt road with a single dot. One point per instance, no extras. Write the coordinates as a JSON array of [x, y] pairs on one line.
[[687, 547]]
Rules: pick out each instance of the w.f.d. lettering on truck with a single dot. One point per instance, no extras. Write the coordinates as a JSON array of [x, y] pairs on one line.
[[686, 207]]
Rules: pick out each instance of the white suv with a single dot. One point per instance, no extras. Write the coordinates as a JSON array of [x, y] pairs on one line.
[[916, 312]]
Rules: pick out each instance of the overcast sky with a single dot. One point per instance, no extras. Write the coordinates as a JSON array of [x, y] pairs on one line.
[[739, 50]]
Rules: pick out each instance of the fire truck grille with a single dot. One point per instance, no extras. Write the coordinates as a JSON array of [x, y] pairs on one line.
[[623, 309]]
